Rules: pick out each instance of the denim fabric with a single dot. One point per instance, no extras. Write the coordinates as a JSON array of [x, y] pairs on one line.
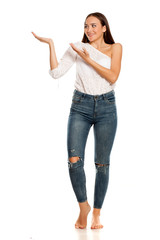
[[101, 112]]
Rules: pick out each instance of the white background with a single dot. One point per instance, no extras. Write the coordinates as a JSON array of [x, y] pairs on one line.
[[36, 198]]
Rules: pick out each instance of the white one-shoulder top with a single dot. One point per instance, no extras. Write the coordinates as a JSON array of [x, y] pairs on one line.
[[87, 79]]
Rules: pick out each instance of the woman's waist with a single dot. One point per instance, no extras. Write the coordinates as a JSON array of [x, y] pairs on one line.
[[93, 86], [94, 96]]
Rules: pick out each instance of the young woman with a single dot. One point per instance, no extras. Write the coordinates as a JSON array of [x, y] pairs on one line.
[[98, 64]]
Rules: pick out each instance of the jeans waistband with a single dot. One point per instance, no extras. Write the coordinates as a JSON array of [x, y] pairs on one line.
[[89, 96]]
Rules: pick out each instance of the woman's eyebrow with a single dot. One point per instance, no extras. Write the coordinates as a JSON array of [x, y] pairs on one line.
[[90, 23]]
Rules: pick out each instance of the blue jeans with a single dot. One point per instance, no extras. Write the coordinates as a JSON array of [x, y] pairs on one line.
[[87, 110]]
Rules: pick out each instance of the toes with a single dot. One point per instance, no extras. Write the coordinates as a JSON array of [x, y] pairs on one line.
[[97, 227], [82, 227], [94, 227], [79, 227]]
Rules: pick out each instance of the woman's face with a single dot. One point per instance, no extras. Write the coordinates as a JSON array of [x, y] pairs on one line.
[[93, 28]]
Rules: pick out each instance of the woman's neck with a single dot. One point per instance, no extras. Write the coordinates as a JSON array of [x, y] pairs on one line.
[[99, 44]]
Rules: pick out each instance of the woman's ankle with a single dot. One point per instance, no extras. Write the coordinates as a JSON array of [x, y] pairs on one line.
[[84, 205], [96, 211]]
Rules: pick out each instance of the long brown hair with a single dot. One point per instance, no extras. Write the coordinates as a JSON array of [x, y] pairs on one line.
[[107, 34]]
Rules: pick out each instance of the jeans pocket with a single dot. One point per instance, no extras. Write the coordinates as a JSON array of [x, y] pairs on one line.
[[76, 99], [110, 99]]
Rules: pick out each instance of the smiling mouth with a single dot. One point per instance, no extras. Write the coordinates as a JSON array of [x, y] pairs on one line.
[[90, 35]]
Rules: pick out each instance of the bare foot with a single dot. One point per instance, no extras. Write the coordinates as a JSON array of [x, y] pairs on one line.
[[82, 219], [96, 220]]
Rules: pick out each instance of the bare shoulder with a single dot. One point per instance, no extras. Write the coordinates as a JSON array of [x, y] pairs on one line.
[[117, 49], [117, 46]]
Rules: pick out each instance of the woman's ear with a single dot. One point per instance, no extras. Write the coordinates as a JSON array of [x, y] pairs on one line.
[[104, 28]]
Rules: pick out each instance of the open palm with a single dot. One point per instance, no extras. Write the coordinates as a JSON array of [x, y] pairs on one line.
[[42, 39]]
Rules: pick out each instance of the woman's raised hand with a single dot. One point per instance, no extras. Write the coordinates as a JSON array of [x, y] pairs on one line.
[[83, 54], [53, 58], [42, 39]]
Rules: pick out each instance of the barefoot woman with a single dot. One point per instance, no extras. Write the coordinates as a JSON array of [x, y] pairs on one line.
[[98, 64]]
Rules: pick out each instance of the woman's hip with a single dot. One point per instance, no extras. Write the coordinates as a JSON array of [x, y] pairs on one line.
[[94, 106]]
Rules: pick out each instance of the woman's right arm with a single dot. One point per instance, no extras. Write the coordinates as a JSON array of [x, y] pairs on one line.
[[53, 58], [58, 69]]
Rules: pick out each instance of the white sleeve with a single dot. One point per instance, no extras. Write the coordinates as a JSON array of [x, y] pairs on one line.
[[65, 63]]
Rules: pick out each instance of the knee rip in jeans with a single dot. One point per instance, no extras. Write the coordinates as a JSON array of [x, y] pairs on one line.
[[101, 167], [74, 159], [75, 162]]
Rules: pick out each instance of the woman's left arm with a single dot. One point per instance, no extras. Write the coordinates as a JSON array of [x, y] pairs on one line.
[[111, 75]]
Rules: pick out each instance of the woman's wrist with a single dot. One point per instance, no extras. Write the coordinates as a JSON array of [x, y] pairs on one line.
[[51, 43]]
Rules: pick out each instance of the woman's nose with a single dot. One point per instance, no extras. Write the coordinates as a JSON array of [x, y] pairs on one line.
[[89, 29]]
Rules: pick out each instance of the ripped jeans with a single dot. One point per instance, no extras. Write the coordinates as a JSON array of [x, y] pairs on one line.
[[87, 110]]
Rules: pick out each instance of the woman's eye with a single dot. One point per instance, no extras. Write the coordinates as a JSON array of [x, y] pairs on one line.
[[87, 26]]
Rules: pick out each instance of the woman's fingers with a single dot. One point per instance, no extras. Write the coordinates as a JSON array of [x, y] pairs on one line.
[[34, 35], [42, 39], [82, 53], [85, 50], [74, 48], [39, 38]]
